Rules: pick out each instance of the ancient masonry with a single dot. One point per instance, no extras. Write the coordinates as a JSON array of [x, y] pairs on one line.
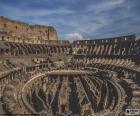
[[14, 31], [40, 74]]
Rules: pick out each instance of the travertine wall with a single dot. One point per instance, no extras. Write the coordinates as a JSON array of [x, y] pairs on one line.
[[18, 31]]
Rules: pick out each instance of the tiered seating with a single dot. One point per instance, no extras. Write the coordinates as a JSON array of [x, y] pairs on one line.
[[18, 49], [89, 77]]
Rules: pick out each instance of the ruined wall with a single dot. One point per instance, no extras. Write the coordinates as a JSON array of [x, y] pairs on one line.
[[11, 30]]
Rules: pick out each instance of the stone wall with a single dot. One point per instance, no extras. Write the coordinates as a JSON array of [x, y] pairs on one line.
[[19, 31]]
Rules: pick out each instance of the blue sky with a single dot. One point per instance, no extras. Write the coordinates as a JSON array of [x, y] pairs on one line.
[[78, 19]]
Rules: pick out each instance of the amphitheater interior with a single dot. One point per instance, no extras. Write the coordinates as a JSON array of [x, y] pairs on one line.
[[57, 78]]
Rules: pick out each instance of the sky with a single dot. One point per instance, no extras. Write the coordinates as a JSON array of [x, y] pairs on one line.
[[78, 19]]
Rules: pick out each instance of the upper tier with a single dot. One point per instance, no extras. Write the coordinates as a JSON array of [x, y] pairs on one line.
[[16, 31]]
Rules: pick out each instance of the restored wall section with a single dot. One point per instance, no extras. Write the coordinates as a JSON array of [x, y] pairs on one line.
[[21, 32]]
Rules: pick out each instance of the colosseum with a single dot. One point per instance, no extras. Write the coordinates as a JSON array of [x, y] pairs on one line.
[[41, 75]]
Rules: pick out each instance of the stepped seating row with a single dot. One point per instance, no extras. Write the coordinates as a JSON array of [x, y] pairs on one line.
[[117, 62], [16, 49], [102, 48]]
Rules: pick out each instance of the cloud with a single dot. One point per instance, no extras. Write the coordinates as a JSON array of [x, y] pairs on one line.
[[106, 5], [31, 12], [90, 19], [73, 36]]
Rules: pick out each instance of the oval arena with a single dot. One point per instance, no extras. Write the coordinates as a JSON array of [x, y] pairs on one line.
[[41, 75]]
